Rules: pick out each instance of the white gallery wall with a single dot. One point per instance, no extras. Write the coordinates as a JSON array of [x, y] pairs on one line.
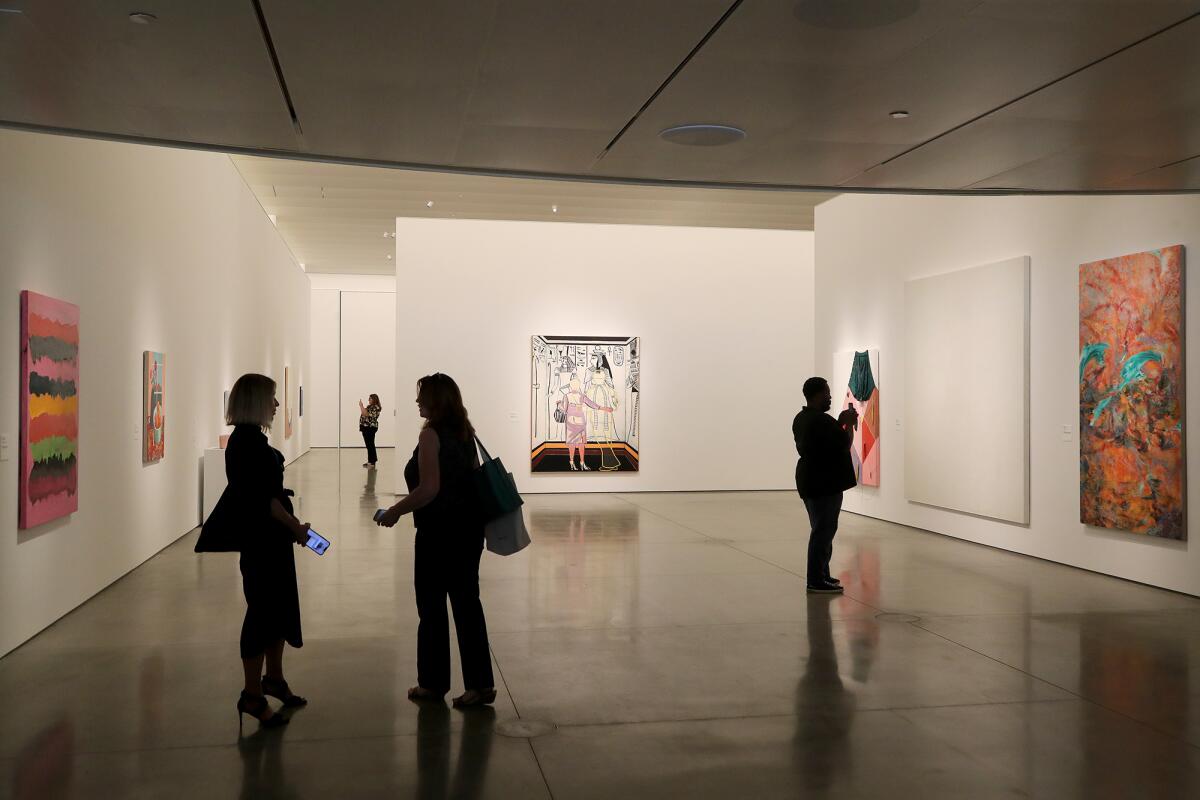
[[163, 250], [868, 246], [724, 316], [353, 338]]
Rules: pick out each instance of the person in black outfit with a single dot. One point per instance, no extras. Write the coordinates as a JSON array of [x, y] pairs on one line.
[[448, 546], [269, 531], [823, 472]]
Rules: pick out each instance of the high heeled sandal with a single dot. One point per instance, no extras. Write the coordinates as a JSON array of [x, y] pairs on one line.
[[255, 705], [475, 697], [280, 690]]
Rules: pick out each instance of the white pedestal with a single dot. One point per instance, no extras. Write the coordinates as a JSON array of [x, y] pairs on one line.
[[214, 478]]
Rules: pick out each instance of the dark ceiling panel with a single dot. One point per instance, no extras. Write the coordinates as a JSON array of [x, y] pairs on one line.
[[200, 73], [526, 84], [1035, 94], [1099, 128], [798, 87]]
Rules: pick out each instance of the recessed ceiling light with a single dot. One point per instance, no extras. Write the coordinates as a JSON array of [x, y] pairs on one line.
[[429, 204], [142, 18], [388, 256], [554, 209], [703, 134], [898, 115]]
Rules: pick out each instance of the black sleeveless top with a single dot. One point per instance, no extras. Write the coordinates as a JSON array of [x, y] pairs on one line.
[[453, 506]]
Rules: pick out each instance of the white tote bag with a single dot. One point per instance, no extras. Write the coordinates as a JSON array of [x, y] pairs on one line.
[[506, 534]]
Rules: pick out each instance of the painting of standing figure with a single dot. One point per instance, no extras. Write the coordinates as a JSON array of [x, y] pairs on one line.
[[585, 404], [1131, 393], [153, 416]]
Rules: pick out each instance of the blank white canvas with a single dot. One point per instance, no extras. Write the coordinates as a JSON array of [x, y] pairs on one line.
[[966, 378]]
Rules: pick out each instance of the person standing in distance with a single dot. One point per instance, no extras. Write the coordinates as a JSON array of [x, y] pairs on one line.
[[368, 426], [823, 472]]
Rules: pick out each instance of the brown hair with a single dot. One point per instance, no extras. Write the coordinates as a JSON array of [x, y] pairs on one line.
[[440, 396], [251, 401], [374, 400]]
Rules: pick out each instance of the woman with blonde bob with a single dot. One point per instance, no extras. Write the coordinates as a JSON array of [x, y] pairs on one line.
[[269, 532], [448, 546]]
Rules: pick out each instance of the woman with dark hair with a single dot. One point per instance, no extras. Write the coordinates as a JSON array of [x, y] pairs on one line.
[[368, 426], [448, 546], [270, 531]]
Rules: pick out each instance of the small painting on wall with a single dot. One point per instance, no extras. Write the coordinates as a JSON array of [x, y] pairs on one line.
[[49, 433], [154, 421], [287, 408], [585, 404], [856, 384], [1131, 393]]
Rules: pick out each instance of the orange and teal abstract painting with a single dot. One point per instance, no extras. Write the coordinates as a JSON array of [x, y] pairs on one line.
[[49, 478], [1131, 392]]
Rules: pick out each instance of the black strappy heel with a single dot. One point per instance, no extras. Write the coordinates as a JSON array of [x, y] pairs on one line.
[[282, 692], [255, 705]]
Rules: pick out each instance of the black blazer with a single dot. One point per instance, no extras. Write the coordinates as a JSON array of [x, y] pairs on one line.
[[825, 466], [242, 518]]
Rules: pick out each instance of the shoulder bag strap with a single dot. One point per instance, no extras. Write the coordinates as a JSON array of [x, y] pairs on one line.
[[486, 456]]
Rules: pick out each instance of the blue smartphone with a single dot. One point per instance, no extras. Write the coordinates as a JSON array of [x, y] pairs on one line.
[[316, 542], [379, 514]]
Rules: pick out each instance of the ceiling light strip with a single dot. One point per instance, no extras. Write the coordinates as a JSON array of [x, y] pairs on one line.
[[287, 96], [662, 87]]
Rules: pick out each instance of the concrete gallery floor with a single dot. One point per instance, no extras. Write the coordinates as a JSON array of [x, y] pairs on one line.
[[667, 639]]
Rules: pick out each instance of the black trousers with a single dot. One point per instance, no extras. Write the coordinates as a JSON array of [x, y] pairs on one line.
[[369, 438], [447, 564], [823, 518]]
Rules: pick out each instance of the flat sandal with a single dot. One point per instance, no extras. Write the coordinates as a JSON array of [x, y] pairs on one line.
[[480, 697]]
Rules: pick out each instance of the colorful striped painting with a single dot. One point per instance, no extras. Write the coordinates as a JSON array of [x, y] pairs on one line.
[[1131, 389], [49, 478], [154, 421]]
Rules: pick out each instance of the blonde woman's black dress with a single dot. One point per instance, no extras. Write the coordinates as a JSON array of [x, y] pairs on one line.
[[255, 473]]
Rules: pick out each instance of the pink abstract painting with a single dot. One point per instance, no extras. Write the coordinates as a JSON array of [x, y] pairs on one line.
[[49, 473]]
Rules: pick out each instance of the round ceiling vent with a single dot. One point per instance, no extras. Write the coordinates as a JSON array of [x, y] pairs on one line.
[[854, 15], [703, 135]]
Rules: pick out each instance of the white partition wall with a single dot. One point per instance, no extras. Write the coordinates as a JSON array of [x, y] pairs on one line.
[[368, 364], [322, 395], [353, 338], [161, 249], [724, 319], [869, 246]]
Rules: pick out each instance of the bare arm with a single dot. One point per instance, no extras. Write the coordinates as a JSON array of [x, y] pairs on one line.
[[431, 480]]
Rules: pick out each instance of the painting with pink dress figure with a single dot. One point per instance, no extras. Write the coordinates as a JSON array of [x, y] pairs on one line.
[[585, 403], [856, 378]]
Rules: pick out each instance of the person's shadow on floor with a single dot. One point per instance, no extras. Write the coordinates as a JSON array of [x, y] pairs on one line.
[[434, 781]]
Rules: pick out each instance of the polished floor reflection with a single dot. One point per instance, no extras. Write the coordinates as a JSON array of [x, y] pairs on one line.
[[668, 640]]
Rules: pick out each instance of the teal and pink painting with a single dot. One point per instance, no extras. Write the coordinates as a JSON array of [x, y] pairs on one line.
[[1131, 393]]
